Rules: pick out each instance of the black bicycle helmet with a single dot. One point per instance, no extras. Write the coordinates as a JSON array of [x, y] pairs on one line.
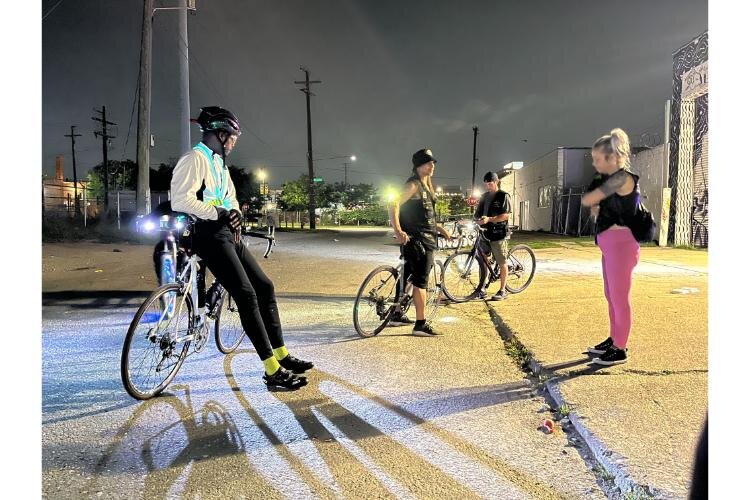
[[215, 118]]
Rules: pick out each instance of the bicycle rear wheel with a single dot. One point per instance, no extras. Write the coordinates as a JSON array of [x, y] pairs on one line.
[[228, 327], [463, 276], [375, 301], [521, 268], [153, 352], [432, 298]]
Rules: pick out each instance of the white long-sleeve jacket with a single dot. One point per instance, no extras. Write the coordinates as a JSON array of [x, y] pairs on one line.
[[196, 168]]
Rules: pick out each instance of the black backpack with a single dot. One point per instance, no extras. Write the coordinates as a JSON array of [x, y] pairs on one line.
[[642, 225]]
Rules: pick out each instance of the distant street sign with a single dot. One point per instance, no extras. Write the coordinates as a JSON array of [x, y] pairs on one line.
[[317, 179]]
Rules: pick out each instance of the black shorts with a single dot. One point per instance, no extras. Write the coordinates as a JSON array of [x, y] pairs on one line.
[[417, 263]]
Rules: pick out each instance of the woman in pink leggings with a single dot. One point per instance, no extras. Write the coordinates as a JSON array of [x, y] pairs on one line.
[[613, 204]]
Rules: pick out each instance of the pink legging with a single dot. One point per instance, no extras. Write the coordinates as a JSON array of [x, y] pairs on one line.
[[620, 254]]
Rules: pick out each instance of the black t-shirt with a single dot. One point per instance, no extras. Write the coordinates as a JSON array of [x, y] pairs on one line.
[[490, 205]]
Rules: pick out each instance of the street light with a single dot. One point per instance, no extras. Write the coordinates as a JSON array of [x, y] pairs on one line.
[[346, 165]]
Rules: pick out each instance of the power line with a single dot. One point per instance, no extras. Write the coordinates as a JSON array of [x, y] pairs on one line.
[[51, 10], [206, 78]]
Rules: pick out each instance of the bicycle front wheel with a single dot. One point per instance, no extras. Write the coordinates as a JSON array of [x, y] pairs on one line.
[[154, 347], [228, 327], [375, 301], [521, 268], [463, 276]]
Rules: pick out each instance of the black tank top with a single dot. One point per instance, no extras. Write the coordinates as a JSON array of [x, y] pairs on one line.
[[417, 215], [616, 209]]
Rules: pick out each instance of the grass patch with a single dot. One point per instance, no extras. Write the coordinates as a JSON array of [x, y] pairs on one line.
[[517, 352], [600, 471], [64, 229], [636, 495], [564, 411], [687, 247], [317, 230]]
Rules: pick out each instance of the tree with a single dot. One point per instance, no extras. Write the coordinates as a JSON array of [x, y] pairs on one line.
[[361, 195], [294, 194], [122, 175], [161, 178], [442, 207], [458, 205], [247, 189]]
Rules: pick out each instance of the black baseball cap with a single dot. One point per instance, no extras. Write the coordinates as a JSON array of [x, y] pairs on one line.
[[421, 157], [491, 177]]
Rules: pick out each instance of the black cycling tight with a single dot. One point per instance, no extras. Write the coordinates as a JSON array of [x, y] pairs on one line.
[[238, 272]]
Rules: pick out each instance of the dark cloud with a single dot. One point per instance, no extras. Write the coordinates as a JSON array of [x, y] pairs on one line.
[[397, 76]]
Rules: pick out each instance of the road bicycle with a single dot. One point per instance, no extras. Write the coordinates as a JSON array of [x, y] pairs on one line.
[[386, 291], [468, 273], [461, 233], [169, 321]]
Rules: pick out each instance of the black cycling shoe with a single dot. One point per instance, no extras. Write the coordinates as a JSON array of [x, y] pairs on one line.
[[399, 319], [284, 380], [601, 347], [424, 330], [296, 365]]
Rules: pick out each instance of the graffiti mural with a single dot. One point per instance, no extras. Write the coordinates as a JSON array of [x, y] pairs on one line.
[[699, 219], [688, 57]]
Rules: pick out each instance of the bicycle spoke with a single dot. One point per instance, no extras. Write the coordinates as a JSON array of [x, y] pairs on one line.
[[374, 301], [151, 343]]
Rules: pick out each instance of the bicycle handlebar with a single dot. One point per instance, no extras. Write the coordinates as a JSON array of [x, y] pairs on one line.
[[270, 239]]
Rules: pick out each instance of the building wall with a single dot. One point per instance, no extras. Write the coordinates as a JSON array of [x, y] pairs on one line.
[[524, 185], [578, 169], [652, 170]]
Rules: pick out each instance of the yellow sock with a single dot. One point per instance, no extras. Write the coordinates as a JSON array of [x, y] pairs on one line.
[[280, 352], [271, 365]]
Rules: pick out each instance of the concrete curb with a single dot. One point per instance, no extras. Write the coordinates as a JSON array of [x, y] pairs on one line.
[[613, 463]]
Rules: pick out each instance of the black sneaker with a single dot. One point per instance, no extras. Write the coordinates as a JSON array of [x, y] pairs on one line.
[[601, 347], [284, 380], [500, 295], [399, 319], [612, 356], [296, 365], [424, 331]]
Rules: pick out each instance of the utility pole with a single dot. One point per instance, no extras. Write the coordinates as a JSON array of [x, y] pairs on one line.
[[143, 191], [311, 173], [474, 161], [345, 175], [105, 137], [73, 136], [184, 79]]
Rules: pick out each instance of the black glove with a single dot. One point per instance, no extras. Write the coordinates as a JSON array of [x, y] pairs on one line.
[[230, 218], [235, 220]]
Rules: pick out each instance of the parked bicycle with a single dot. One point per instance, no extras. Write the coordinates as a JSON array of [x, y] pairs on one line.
[[468, 273], [377, 300], [462, 235], [169, 321]]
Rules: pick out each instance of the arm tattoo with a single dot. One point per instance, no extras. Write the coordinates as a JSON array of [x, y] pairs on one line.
[[615, 182]]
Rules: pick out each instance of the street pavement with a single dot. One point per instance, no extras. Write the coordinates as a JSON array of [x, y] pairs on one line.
[[391, 416]]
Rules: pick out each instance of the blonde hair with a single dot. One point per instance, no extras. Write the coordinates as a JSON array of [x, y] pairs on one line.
[[617, 143]]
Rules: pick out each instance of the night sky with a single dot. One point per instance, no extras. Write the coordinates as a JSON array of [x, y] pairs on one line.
[[397, 76]]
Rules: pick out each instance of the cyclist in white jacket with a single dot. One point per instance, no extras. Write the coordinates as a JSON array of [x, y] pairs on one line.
[[201, 186]]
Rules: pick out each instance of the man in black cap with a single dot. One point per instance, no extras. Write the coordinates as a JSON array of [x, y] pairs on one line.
[[493, 212], [413, 218]]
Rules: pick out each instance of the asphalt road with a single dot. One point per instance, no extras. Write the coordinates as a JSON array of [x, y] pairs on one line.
[[392, 416]]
